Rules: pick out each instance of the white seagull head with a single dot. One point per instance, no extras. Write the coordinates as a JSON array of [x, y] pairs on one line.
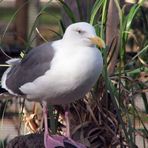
[[82, 34]]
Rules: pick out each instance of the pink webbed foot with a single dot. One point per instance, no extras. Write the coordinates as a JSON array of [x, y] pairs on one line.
[[56, 141], [53, 141]]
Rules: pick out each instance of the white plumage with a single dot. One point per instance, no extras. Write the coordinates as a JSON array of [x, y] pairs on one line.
[[74, 68]]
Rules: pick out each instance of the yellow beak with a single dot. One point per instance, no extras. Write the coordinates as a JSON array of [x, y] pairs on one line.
[[98, 41]]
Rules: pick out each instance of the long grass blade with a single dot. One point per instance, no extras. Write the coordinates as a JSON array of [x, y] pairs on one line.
[[68, 11], [140, 52], [35, 22], [97, 5], [12, 18], [79, 9]]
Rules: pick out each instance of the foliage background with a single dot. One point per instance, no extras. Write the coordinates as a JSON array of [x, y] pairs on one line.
[[109, 115]]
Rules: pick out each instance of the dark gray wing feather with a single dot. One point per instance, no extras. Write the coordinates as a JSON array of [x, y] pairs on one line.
[[35, 64]]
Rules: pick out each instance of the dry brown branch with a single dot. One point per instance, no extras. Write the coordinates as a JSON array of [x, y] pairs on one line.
[[112, 35]]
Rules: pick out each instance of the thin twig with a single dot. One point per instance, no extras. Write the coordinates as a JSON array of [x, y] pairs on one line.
[[5, 53]]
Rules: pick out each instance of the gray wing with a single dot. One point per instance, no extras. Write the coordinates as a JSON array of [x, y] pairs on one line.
[[35, 64]]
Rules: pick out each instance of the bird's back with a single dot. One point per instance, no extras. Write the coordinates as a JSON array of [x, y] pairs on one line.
[[33, 65]]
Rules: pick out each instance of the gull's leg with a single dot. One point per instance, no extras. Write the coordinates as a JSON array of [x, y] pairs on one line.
[[70, 141], [50, 142], [45, 123], [67, 124]]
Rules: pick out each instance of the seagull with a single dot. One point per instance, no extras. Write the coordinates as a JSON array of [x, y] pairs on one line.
[[57, 72]]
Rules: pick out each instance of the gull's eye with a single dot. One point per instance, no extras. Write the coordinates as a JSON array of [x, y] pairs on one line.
[[80, 31]]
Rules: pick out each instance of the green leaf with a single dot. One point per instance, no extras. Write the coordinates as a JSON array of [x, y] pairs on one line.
[[98, 4]]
